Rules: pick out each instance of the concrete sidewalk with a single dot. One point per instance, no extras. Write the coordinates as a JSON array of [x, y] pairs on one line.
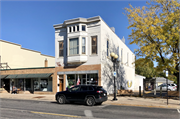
[[122, 100]]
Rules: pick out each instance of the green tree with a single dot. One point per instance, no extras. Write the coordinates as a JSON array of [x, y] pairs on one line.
[[145, 68], [155, 30]]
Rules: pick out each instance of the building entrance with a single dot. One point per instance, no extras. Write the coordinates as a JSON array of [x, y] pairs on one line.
[[6, 84]]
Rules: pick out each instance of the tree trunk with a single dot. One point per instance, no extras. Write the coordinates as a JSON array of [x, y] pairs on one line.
[[177, 76]]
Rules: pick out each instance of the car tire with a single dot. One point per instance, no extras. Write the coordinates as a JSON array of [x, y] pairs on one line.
[[90, 101], [61, 99]]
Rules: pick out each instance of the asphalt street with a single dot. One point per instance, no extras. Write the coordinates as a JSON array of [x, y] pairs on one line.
[[21, 109]]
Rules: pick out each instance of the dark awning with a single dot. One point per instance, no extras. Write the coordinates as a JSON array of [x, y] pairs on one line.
[[11, 76], [2, 76], [45, 75]]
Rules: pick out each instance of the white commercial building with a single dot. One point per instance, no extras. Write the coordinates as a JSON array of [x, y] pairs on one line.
[[82, 51]]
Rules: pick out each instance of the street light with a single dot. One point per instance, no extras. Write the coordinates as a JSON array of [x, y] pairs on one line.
[[114, 60]]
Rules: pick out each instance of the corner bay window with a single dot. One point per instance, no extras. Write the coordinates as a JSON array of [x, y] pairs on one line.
[[83, 45], [73, 46], [83, 28], [94, 44], [74, 28], [61, 48]]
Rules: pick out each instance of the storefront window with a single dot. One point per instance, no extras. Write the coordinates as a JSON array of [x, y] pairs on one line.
[[84, 79], [44, 84], [36, 85], [71, 80], [92, 79]]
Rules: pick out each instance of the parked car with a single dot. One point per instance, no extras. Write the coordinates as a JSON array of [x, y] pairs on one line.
[[90, 94], [172, 87], [164, 87]]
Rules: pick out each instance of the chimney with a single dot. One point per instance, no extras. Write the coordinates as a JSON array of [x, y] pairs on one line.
[[46, 63], [123, 40], [112, 28]]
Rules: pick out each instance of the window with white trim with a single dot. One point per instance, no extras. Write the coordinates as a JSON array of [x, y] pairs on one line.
[[61, 48], [73, 46], [121, 55], [118, 53], [83, 45], [107, 47], [74, 28], [69, 29], [94, 44], [83, 28]]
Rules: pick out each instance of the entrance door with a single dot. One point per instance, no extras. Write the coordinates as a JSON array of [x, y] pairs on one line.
[[6, 84], [60, 82]]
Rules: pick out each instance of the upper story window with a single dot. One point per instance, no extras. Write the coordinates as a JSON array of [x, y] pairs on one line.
[[69, 29], [118, 52], [107, 47], [121, 55], [78, 28], [94, 44], [83, 28], [83, 45], [74, 28], [61, 48], [73, 46]]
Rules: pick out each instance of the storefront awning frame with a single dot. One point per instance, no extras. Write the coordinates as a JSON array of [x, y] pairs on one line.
[[3, 76], [18, 76]]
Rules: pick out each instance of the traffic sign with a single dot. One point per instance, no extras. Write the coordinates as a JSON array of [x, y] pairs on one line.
[[166, 73], [114, 73]]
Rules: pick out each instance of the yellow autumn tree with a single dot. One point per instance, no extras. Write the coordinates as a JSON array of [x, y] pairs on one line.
[[155, 29]]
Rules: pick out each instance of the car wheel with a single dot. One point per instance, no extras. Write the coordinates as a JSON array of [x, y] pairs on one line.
[[61, 99], [90, 101]]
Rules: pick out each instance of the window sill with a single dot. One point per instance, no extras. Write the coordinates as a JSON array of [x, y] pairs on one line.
[[93, 55]]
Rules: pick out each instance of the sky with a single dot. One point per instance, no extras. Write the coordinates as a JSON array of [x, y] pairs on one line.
[[30, 23]]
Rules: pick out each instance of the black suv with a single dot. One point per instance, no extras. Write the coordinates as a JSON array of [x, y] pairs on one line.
[[89, 94]]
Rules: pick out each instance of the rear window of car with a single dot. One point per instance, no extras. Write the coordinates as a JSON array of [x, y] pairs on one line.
[[172, 85], [84, 88]]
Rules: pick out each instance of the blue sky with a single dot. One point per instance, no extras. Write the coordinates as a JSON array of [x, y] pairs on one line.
[[30, 23]]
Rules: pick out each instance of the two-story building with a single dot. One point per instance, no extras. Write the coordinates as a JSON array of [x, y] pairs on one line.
[[27, 70], [82, 52]]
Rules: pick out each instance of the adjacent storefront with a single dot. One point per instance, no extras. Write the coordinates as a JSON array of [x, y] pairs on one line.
[[38, 80]]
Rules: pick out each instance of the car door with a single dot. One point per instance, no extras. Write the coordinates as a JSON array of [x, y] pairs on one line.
[[72, 93], [81, 94], [164, 87]]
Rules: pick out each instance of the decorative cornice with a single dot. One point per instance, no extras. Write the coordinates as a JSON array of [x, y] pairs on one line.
[[77, 20]]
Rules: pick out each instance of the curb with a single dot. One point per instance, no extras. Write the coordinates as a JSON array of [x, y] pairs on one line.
[[149, 106]]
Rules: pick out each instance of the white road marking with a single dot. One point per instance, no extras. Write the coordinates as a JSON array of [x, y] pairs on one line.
[[178, 110], [88, 113]]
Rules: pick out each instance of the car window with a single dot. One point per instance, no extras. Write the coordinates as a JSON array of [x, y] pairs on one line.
[[73, 89], [84, 88], [91, 88]]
